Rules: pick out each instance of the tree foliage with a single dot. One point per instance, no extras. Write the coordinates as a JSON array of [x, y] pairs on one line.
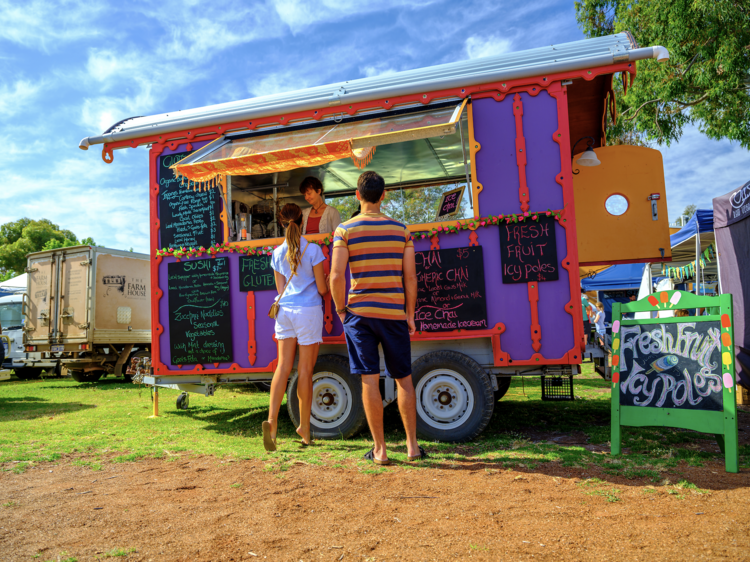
[[706, 81], [24, 236]]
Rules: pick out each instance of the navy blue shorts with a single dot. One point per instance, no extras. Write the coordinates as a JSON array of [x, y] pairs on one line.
[[362, 338]]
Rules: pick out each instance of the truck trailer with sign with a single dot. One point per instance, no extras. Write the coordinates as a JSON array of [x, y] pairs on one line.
[[88, 308], [481, 159]]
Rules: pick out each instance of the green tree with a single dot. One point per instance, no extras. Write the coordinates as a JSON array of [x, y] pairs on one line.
[[689, 211], [24, 236], [706, 81]]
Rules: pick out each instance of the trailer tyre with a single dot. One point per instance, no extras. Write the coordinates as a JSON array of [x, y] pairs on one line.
[[91, 376], [337, 409], [28, 373], [183, 401], [454, 396], [503, 384]]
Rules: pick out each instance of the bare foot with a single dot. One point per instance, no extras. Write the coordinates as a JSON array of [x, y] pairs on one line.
[[305, 438]]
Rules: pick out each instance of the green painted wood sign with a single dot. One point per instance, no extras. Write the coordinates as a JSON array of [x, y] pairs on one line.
[[675, 372]]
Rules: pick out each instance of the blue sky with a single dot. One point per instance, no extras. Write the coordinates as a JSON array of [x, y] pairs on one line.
[[70, 69]]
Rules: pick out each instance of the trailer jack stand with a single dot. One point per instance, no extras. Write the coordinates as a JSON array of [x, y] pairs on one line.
[[155, 400]]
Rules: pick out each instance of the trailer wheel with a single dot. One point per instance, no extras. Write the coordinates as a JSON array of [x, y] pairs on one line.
[[28, 373], [454, 396], [183, 401], [337, 409], [91, 376], [503, 384]]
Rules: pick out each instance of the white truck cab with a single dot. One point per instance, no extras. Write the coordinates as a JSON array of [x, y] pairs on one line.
[[16, 359]]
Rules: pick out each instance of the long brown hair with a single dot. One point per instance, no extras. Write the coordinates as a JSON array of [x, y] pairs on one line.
[[291, 219]]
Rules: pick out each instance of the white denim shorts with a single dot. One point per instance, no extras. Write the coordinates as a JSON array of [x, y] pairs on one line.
[[302, 322]]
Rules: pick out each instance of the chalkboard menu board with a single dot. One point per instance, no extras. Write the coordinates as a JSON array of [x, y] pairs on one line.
[[187, 218], [450, 292], [256, 273], [200, 329], [450, 203], [671, 365], [529, 251]]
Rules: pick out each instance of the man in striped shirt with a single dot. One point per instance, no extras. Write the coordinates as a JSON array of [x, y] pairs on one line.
[[380, 254]]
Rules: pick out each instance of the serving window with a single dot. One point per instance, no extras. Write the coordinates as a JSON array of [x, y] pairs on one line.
[[421, 154]]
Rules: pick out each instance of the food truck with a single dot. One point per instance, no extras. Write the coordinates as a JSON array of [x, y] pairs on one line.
[[490, 163]]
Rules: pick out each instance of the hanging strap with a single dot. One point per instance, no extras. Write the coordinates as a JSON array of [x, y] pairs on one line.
[[295, 273]]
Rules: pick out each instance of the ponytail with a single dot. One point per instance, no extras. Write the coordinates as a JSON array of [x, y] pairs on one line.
[[291, 219]]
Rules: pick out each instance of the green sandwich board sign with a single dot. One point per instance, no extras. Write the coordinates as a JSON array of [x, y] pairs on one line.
[[676, 372]]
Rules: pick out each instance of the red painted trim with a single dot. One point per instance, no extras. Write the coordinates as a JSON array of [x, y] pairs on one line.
[[435, 242], [251, 343], [156, 328], [567, 220], [478, 91], [536, 329], [523, 188], [501, 358], [473, 238]]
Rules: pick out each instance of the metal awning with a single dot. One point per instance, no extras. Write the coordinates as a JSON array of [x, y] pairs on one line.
[[405, 147]]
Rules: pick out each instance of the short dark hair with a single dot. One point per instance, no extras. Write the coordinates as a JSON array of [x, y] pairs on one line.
[[371, 186], [311, 182]]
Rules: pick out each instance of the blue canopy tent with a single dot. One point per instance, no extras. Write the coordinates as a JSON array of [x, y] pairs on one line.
[[615, 284]]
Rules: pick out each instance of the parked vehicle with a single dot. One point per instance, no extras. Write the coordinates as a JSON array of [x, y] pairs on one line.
[[497, 269], [88, 308], [11, 320]]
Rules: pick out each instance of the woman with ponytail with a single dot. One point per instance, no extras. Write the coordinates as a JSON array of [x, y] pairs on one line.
[[300, 281]]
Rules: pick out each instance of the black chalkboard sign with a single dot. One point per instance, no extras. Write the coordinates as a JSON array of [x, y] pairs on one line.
[[450, 290], [200, 327], [529, 251], [450, 203], [187, 218], [256, 273], [671, 365]]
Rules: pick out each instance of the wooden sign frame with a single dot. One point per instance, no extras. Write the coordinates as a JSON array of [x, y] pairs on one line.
[[460, 191], [723, 424]]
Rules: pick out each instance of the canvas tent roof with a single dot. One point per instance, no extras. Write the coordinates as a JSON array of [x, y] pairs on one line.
[[14, 285], [623, 276]]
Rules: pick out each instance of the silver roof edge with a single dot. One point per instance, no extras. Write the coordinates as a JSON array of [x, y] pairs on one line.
[[567, 57]]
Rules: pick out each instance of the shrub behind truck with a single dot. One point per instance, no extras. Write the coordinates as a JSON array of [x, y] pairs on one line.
[[89, 308]]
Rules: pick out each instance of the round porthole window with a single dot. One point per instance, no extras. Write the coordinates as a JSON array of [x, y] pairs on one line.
[[616, 205]]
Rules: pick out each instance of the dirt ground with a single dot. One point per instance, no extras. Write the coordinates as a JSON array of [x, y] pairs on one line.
[[207, 509]]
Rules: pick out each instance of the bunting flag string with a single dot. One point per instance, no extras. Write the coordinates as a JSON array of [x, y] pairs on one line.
[[689, 270]]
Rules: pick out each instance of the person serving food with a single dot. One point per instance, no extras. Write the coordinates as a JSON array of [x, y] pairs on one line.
[[319, 218]]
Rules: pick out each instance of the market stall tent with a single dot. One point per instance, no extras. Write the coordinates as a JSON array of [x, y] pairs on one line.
[[732, 223], [14, 285]]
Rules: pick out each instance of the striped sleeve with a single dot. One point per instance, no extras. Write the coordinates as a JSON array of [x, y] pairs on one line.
[[341, 237]]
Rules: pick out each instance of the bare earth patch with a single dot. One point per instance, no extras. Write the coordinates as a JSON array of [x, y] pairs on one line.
[[202, 508]]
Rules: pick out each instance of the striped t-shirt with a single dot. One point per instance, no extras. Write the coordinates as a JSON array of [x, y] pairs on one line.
[[376, 246]]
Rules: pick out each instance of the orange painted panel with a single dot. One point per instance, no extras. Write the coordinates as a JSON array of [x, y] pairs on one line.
[[634, 172]]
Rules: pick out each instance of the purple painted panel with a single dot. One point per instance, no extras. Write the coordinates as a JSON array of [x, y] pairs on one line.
[[543, 153], [557, 325], [495, 129]]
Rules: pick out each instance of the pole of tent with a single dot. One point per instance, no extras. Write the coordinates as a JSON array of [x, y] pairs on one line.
[[697, 255]]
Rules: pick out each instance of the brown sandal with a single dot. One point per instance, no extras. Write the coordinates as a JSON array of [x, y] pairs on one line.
[[420, 456]]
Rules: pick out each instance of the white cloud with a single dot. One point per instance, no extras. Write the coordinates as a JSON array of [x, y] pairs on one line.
[[17, 96], [697, 169], [45, 25], [378, 69], [490, 46]]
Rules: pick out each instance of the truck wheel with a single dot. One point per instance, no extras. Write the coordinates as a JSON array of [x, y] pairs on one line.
[[503, 384], [263, 386], [337, 409], [91, 376], [28, 373], [454, 396]]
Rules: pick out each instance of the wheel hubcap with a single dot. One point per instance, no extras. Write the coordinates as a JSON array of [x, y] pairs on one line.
[[444, 399], [331, 400]]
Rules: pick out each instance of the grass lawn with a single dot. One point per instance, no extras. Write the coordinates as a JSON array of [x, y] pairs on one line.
[[108, 421]]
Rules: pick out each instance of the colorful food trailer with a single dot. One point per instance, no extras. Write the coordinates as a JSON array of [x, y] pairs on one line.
[[478, 159]]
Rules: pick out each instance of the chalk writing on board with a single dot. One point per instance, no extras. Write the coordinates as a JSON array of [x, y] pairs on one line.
[[256, 273], [450, 203], [674, 365], [199, 311], [529, 251], [187, 218], [450, 290]]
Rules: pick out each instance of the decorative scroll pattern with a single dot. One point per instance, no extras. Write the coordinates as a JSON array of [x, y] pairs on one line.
[[536, 329], [251, 349], [523, 189]]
